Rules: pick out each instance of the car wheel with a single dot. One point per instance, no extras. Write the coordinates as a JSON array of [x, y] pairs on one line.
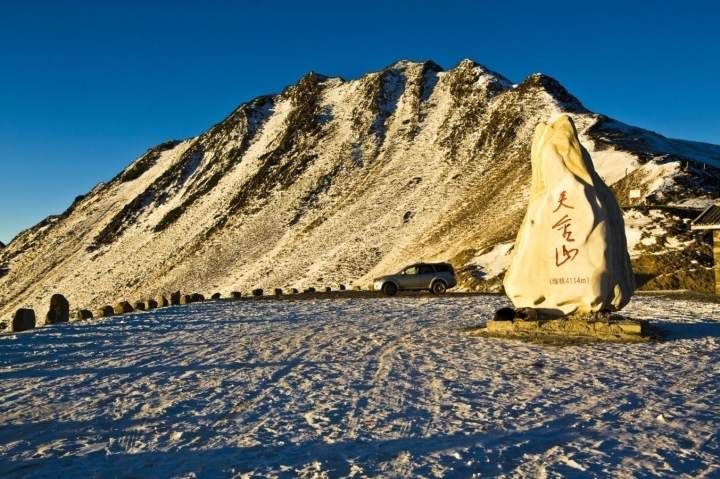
[[438, 287], [390, 289]]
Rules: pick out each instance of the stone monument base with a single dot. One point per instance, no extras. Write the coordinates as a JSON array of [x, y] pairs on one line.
[[567, 329]]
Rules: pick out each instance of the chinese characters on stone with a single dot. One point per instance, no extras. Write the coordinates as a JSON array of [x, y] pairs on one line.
[[565, 253]]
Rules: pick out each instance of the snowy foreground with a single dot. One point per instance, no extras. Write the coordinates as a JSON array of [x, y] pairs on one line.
[[356, 387]]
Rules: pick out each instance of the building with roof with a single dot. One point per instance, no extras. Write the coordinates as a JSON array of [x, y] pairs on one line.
[[709, 219]]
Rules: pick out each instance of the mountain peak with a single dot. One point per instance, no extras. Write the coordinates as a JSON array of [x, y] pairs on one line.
[[314, 76], [403, 65], [309, 82], [469, 65], [555, 89]]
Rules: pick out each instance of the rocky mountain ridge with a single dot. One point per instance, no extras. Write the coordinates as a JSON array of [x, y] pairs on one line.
[[335, 181]]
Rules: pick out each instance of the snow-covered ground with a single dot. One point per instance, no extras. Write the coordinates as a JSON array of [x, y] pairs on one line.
[[355, 388]]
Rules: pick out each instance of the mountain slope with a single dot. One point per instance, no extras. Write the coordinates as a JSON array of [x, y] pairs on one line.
[[335, 181]]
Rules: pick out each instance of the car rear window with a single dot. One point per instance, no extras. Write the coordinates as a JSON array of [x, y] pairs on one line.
[[425, 269], [443, 268]]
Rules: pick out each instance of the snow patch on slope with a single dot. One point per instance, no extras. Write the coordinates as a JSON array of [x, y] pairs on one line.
[[644, 230], [495, 261]]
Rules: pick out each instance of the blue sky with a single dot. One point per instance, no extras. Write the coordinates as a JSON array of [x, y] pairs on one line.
[[85, 87]]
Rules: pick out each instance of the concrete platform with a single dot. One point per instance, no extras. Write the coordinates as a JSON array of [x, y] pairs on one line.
[[567, 330]]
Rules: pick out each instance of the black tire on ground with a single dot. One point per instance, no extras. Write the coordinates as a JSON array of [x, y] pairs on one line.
[[438, 287], [389, 289]]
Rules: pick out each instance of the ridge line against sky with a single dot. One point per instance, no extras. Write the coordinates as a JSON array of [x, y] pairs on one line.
[[88, 87]]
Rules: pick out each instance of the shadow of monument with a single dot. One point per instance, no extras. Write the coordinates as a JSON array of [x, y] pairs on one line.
[[677, 331]]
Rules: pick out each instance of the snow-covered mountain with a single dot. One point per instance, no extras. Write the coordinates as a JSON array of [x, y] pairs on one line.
[[335, 181]]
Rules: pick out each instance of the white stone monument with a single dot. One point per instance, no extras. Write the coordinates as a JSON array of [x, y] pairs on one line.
[[570, 255]]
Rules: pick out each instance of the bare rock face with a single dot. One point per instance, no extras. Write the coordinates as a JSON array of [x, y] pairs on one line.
[[570, 254], [163, 301], [186, 299], [105, 311], [23, 320], [59, 311], [83, 314], [123, 307]]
